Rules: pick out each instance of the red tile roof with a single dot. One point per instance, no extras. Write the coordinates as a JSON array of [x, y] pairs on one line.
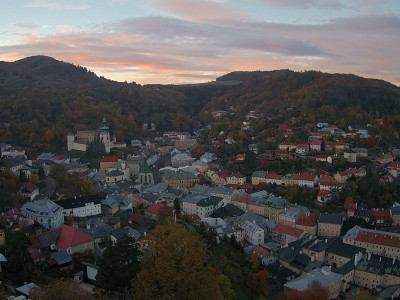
[[288, 230], [274, 176], [378, 238], [154, 208], [109, 159], [244, 198], [381, 214], [311, 220], [324, 193], [260, 252], [395, 165], [71, 236], [307, 177]]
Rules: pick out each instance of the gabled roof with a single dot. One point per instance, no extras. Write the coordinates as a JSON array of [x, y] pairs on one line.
[[111, 159], [71, 236], [331, 218], [154, 208], [288, 230]]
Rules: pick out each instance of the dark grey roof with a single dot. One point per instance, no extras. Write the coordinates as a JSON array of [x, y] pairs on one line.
[[150, 197], [61, 257], [210, 201], [98, 231], [79, 201], [48, 238], [126, 231], [331, 218], [227, 211], [337, 247]]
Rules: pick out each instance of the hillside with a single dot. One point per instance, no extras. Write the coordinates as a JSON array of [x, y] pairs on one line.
[[42, 99]]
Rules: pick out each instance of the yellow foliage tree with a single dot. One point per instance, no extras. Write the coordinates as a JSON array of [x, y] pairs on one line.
[[61, 289], [173, 267]]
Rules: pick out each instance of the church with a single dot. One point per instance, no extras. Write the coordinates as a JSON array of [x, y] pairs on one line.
[[82, 139]]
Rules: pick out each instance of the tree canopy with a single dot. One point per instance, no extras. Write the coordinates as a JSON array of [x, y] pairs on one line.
[[174, 267]]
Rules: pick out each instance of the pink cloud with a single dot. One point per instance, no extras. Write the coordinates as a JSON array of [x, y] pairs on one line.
[[199, 10]]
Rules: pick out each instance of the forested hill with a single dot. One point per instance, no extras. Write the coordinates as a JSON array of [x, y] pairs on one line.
[[42, 99]]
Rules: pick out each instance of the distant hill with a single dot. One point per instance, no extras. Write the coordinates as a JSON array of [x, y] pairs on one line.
[[42, 99]]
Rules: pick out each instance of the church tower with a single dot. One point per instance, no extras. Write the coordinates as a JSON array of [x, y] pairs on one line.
[[104, 135]]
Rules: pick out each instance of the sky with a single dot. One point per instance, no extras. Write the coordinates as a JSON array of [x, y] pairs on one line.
[[193, 41]]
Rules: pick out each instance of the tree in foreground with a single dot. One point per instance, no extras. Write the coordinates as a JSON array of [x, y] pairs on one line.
[[118, 265], [259, 282], [173, 267], [61, 289]]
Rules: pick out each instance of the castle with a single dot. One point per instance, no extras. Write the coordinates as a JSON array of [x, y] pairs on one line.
[[81, 140]]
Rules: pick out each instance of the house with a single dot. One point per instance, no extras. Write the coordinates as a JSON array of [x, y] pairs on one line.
[[208, 157], [257, 205], [74, 241], [236, 178], [284, 234], [253, 233], [106, 162], [110, 205], [323, 158], [323, 277], [316, 145], [292, 214], [327, 182], [324, 196], [45, 212], [227, 194], [330, 225], [29, 190], [274, 178], [264, 255], [274, 206], [395, 212], [308, 180], [361, 152], [241, 157], [302, 149], [153, 211], [179, 178], [60, 260], [382, 216], [206, 206], [259, 177], [200, 166], [308, 223], [189, 203], [288, 146], [350, 156], [83, 206], [394, 169], [181, 160]]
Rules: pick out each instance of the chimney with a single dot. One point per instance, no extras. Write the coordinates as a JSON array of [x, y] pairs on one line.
[[356, 259], [394, 260], [369, 256]]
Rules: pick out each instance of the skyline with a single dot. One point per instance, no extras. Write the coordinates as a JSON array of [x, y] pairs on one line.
[[192, 41]]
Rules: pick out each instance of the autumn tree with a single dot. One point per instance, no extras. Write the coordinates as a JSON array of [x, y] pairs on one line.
[[17, 244], [259, 282], [174, 267], [347, 202], [118, 265], [61, 289]]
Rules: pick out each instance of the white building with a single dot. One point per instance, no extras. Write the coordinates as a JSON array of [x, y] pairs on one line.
[[253, 233], [81, 206], [45, 212]]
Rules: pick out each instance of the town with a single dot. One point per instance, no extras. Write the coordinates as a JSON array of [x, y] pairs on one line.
[[295, 208]]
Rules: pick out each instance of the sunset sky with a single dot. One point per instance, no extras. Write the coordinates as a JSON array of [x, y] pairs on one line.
[[185, 41]]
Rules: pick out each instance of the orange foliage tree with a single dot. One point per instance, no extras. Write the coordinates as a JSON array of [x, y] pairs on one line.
[[259, 282]]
